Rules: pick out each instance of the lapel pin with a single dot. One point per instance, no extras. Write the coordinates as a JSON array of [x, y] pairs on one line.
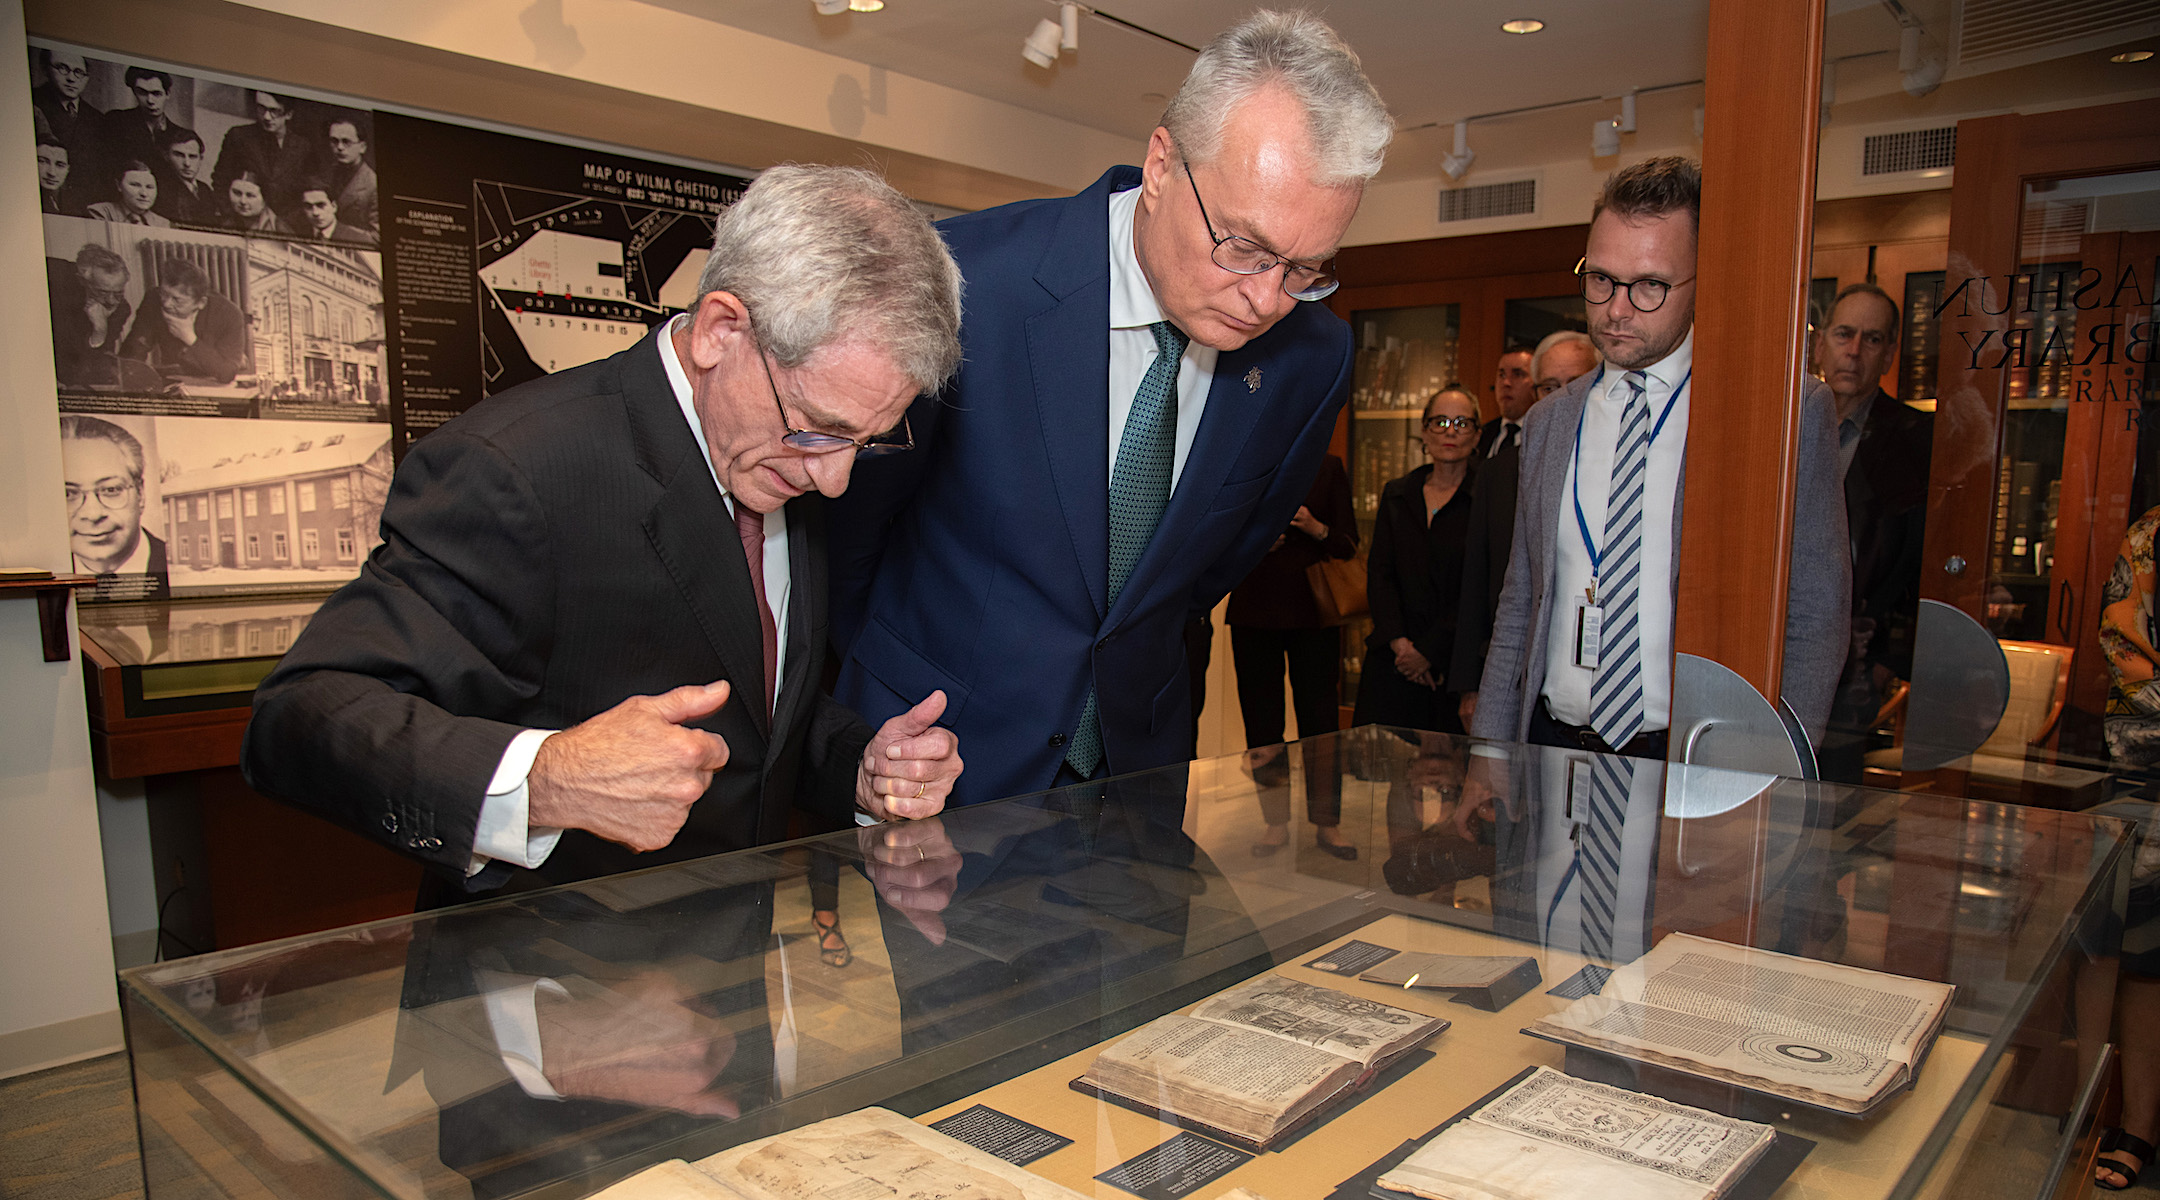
[[1252, 380]]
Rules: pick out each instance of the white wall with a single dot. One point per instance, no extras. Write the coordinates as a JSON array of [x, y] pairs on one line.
[[659, 52], [57, 1000]]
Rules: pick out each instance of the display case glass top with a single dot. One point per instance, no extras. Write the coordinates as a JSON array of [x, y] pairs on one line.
[[555, 1041]]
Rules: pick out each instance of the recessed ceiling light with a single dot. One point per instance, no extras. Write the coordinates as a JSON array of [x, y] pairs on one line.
[[1522, 25], [2131, 56], [865, 5]]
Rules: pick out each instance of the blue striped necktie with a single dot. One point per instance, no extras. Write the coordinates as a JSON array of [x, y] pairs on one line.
[[1597, 852], [1139, 491], [1616, 694]]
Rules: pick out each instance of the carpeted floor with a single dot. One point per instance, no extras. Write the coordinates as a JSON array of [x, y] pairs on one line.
[[69, 1133]]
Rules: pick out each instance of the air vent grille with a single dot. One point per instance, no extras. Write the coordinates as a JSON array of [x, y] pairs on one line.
[[1913, 150], [1995, 28], [1512, 199]]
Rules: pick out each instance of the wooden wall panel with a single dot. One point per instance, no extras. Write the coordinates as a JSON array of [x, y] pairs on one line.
[[1765, 65]]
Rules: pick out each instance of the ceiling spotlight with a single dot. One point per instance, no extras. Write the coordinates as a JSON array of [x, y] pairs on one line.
[[1604, 138], [1921, 64], [1052, 37], [866, 5], [829, 8], [1041, 46], [1522, 25], [1456, 164], [1626, 121], [2131, 56]]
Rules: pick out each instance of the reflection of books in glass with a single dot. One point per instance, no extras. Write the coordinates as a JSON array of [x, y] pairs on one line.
[[1005, 932], [868, 1153], [1257, 1060], [1552, 1136], [1817, 1033]]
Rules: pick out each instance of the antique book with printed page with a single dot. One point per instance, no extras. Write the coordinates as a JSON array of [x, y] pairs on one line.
[[1551, 1137], [1836, 1037], [1256, 1060], [869, 1153]]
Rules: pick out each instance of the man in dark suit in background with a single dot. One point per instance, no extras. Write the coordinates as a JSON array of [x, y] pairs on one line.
[[90, 312], [352, 179], [186, 199], [563, 557], [1597, 523], [1886, 448], [322, 222], [54, 163], [1145, 403], [186, 330], [1515, 391], [1559, 360]]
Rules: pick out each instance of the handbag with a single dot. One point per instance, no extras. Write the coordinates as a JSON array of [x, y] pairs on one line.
[[1338, 588]]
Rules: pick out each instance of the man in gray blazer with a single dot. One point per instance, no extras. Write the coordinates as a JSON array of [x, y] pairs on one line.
[[1582, 653]]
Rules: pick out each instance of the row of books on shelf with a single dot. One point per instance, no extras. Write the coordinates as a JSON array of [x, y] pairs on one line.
[[1256, 1064]]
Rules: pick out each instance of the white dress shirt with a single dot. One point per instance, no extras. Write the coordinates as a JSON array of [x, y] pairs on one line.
[[1589, 481], [504, 832], [1510, 431], [1132, 344]]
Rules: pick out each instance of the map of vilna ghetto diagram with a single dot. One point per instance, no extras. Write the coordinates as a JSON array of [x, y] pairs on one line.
[[566, 279]]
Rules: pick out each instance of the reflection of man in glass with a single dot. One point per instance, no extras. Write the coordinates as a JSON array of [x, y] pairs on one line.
[[103, 467]]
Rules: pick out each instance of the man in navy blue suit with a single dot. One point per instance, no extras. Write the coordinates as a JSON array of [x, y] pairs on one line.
[[1145, 399]]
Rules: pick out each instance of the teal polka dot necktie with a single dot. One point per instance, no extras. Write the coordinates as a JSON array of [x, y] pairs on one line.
[[1139, 491]]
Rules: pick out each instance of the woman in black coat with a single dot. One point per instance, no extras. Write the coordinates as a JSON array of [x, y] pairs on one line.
[[1414, 576]]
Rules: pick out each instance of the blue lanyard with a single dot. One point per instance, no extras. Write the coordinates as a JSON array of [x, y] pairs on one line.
[[1597, 556]]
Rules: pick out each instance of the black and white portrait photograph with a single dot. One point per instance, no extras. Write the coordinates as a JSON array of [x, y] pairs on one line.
[[110, 467]]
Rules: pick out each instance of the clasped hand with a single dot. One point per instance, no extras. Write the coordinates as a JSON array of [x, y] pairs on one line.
[[631, 773]]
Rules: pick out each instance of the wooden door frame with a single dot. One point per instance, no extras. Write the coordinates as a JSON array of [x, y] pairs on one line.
[[1997, 157]]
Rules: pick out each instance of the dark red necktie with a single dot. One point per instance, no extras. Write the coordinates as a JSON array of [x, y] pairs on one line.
[[750, 527]]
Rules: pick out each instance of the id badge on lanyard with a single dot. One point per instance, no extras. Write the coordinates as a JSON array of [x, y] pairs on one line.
[[1589, 629]]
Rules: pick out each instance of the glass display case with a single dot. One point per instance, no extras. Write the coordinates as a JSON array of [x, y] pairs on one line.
[[552, 1042]]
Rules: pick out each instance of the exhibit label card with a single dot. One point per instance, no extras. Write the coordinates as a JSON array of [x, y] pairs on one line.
[[1177, 1168], [1351, 957], [992, 1132]]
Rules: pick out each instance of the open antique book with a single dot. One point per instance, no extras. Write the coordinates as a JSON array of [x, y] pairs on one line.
[[1255, 1061], [872, 1152], [1555, 1138], [1837, 1037]]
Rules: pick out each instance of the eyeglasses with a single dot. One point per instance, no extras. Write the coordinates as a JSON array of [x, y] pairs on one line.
[[1243, 256], [111, 495], [1443, 424], [1546, 387], [827, 443], [1647, 295]]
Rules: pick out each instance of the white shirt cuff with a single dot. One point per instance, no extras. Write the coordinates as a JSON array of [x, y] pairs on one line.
[[864, 820], [1483, 751], [503, 831], [513, 1012]]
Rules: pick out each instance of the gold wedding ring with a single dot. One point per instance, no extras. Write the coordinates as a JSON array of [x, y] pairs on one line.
[[922, 789], [921, 855]]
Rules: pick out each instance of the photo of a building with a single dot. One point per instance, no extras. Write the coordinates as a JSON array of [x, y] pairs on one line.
[[316, 318], [298, 510]]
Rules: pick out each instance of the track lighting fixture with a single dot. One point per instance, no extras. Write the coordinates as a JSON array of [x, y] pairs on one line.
[[1457, 164], [1051, 38], [1605, 137]]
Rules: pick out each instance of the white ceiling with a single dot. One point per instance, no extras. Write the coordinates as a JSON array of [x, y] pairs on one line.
[[1434, 61]]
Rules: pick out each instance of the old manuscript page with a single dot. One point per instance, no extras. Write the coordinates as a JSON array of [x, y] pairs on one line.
[[1556, 1138]]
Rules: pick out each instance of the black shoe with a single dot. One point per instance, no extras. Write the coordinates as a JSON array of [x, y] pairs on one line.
[[1345, 853]]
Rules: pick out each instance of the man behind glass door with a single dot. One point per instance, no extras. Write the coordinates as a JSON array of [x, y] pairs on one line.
[[1884, 447]]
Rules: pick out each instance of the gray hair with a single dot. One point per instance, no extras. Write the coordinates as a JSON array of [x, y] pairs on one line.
[[91, 429], [1344, 117], [1562, 338], [821, 255]]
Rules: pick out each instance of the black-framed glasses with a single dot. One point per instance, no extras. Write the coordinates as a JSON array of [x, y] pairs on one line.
[[1443, 424], [1243, 256], [111, 495], [827, 443], [1647, 295]]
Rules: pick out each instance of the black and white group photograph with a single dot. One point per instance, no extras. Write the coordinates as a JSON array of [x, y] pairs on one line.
[[140, 145]]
